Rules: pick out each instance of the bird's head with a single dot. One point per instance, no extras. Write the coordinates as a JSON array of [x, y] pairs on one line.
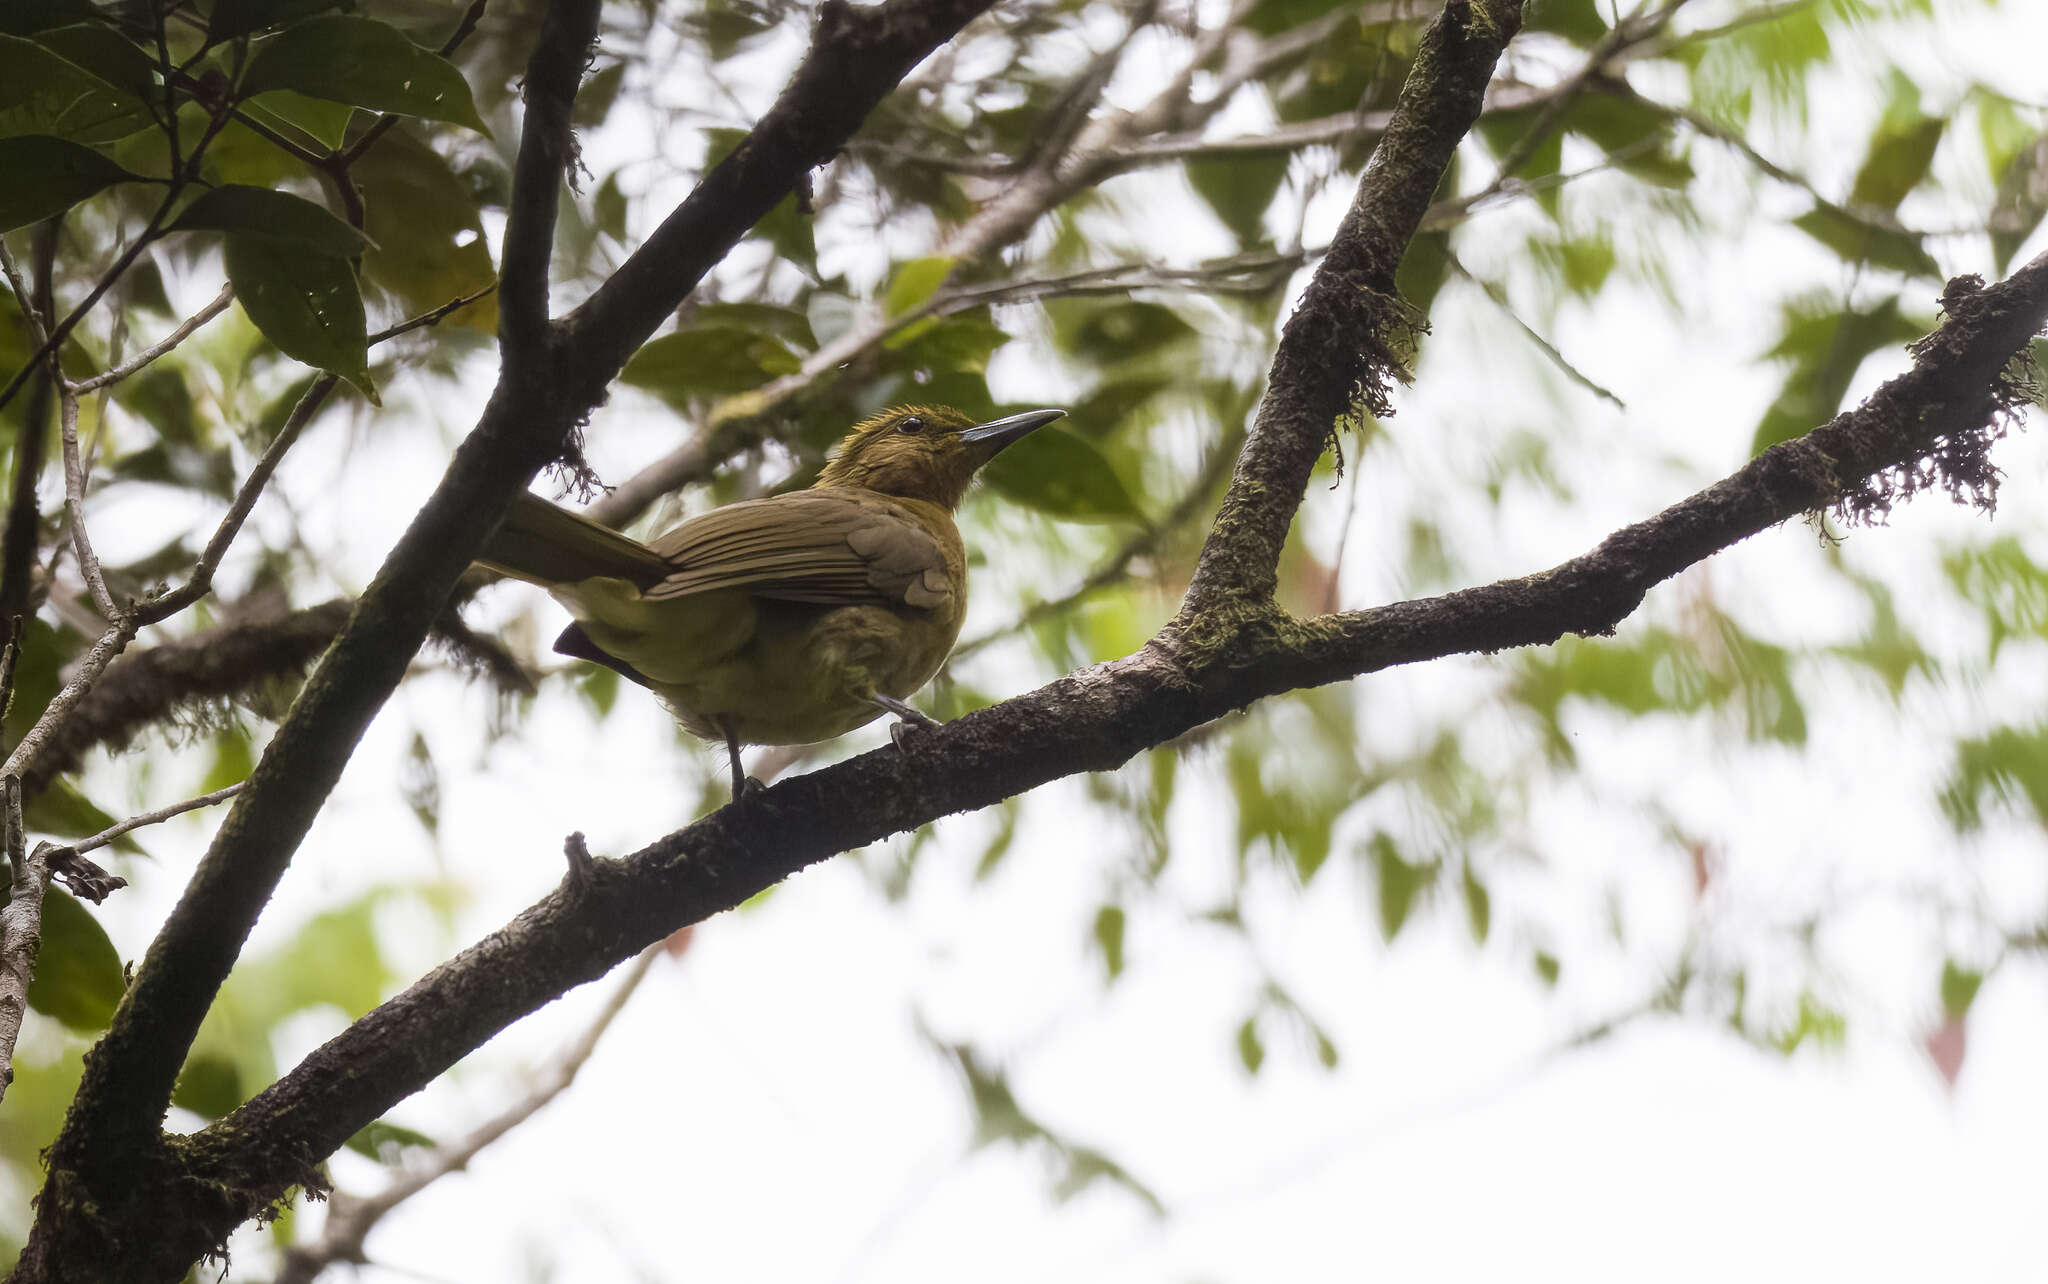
[[924, 452]]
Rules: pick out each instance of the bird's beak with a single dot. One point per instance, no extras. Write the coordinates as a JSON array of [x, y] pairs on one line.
[[989, 438]]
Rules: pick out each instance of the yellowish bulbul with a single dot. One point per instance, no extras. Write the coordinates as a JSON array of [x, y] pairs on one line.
[[784, 620]]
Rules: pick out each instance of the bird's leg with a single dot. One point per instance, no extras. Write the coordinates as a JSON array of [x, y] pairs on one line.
[[909, 717], [743, 785]]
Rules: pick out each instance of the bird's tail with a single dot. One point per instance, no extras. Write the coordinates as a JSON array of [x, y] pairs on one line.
[[547, 545]]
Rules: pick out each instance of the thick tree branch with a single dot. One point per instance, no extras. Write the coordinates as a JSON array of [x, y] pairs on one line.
[[547, 159], [1343, 345], [1092, 720]]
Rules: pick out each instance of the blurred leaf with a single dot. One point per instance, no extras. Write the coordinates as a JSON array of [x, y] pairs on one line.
[[1239, 190], [1425, 266], [1959, 986], [2003, 582], [1817, 1022], [2021, 202], [78, 972], [1400, 883], [1577, 20], [1109, 332], [427, 237], [387, 1142], [307, 304], [43, 93], [1826, 344], [234, 758], [1900, 150], [41, 176], [288, 220], [364, 63], [209, 1086], [2006, 764], [1478, 904], [708, 361], [1547, 967], [1251, 1052], [1063, 475], [914, 282], [1109, 939], [1858, 241], [61, 811]]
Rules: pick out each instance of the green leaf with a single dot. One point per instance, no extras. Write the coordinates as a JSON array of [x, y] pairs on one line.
[[915, 282], [20, 17], [1104, 333], [43, 93], [427, 237], [1900, 150], [1400, 883], [1577, 20], [1859, 241], [78, 972], [1826, 345], [99, 49], [1109, 938], [309, 305], [64, 812], [1063, 475], [41, 176], [387, 1142], [363, 63], [1251, 1051], [209, 1085], [1959, 986], [708, 361], [1547, 967], [1239, 190], [2007, 764], [1478, 905], [233, 18], [292, 222], [326, 123]]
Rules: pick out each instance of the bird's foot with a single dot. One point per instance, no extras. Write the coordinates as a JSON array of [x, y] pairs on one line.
[[746, 787], [909, 719]]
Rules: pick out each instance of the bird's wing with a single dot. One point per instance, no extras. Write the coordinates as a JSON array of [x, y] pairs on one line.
[[835, 547]]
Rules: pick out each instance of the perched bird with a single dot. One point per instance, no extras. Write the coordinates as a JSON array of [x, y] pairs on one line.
[[784, 620]]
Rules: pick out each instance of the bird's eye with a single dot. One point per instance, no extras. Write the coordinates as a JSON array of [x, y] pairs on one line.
[[910, 423]]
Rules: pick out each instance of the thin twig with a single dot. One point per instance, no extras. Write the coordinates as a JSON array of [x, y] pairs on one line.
[[120, 631], [74, 501], [1549, 350], [201, 580], [162, 347], [350, 1218], [433, 317], [157, 817], [21, 927]]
